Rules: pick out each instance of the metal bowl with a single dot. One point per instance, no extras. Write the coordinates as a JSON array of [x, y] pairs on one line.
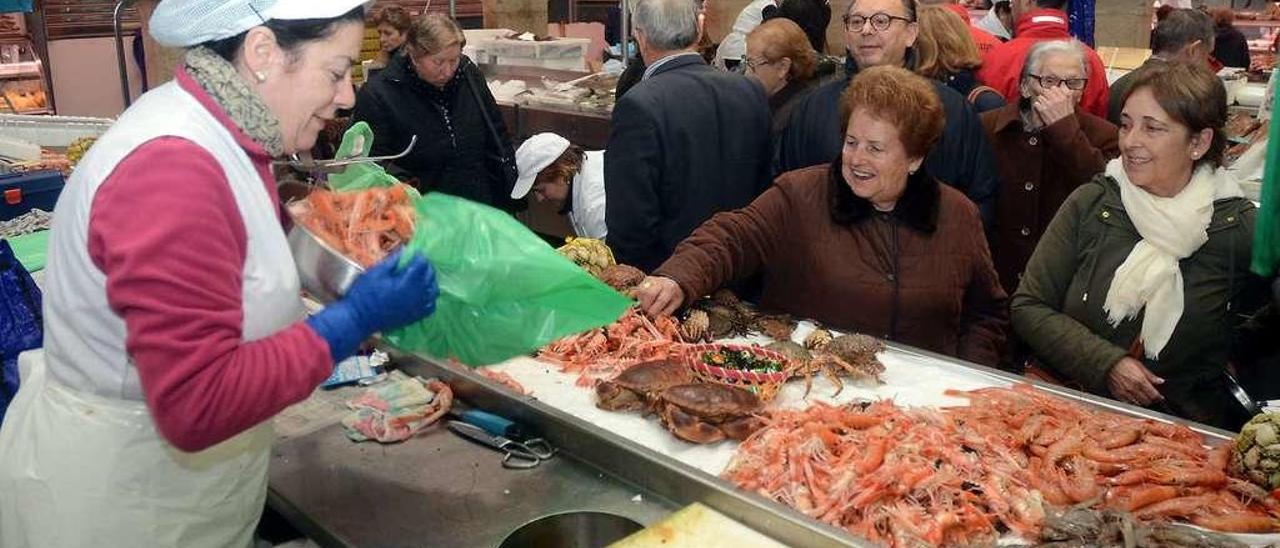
[[325, 273]]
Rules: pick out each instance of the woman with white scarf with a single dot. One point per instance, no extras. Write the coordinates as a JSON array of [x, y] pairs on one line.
[[1137, 285]]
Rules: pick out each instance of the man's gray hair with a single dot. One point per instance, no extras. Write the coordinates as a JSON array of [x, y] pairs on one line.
[[1181, 28], [1035, 57], [668, 25]]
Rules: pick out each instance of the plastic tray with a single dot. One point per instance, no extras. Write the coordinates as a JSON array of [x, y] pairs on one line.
[[52, 131]]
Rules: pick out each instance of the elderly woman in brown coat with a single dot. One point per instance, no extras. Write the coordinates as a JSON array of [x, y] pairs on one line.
[[868, 243], [1046, 146]]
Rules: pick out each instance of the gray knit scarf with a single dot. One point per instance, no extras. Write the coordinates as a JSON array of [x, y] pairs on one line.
[[224, 84]]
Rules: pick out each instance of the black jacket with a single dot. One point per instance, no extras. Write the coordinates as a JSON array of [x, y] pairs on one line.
[[962, 158], [1231, 47], [685, 144], [455, 153], [965, 81]]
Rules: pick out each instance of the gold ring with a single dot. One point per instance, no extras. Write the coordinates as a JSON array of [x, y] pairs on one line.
[[646, 285]]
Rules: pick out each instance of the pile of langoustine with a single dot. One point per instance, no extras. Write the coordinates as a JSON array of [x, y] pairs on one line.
[[605, 352], [364, 225], [966, 475]]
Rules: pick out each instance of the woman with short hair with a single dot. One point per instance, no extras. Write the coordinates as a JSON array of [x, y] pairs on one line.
[[780, 58], [393, 24], [435, 92], [1138, 284], [870, 242], [946, 52]]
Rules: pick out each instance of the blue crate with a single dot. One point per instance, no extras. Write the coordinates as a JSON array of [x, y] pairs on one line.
[[22, 192]]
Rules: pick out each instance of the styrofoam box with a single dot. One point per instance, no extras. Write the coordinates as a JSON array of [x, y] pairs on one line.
[[561, 53], [480, 35], [52, 131]]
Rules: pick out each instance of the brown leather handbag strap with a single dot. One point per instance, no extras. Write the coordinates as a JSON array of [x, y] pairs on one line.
[[979, 90]]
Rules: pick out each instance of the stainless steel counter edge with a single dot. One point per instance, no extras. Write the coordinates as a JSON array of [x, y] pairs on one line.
[[627, 461]]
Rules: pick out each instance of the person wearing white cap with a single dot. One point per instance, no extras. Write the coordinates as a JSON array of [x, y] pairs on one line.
[[173, 325], [555, 171]]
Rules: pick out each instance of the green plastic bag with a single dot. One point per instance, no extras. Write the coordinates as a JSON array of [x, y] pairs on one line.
[[356, 143], [503, 291]]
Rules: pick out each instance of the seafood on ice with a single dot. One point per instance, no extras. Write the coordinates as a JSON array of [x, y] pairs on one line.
[[503, 379], [364, 225], [849, 355], [636, 388], [1077, 455], [606, 351], [692, 411], [896, 476]]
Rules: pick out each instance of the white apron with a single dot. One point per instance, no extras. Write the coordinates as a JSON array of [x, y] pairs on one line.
[[81, 463]]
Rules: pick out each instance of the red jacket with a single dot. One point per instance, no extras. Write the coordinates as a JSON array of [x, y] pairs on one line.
[[981, 38], [1002, 66]]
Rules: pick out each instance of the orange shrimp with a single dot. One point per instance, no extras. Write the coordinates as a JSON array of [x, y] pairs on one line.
[[1134, 498], [1237, 523], [1180, 507]]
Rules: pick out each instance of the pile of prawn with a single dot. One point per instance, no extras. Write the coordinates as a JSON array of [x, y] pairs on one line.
[[966, 475], [364, 225], [896, 476], [604, 352], [1077, 455]]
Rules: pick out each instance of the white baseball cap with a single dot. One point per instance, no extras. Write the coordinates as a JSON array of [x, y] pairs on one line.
[[537, 152], [186, 23]]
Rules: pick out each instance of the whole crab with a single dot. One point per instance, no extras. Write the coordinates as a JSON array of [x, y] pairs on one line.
[[636, 388], [778, 327], [851, 355], [696, 326], [708, 413], [622, 277]]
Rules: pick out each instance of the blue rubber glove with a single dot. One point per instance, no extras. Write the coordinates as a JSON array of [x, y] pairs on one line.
[[384, 298]]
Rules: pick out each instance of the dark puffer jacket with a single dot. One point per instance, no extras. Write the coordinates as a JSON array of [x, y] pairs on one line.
[[455, 153], [1058, 308]]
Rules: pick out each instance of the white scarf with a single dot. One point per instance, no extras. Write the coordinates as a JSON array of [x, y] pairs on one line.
[[1171, 229]]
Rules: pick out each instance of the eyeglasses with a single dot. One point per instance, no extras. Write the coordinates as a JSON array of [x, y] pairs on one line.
[[880, 21], [754, 65], [1047, 82]]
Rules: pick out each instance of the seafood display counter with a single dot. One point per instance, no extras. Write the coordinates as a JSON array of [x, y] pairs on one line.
[[434, 488]]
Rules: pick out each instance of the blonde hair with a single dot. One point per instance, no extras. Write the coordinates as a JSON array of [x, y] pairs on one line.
[[433, 33], [944, 45], [783, 38]]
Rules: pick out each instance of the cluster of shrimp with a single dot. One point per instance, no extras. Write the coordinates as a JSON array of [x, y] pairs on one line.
[[605, 352], [1156, 470], [503, 379], [365, 225], [901, 477]]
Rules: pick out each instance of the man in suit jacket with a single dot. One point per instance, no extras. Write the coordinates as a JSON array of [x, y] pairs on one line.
[[688, 141]]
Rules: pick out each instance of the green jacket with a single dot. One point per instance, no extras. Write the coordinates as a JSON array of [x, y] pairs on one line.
[[1057, 309]]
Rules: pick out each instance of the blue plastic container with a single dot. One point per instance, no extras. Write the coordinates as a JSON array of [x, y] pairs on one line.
[[22, 192]]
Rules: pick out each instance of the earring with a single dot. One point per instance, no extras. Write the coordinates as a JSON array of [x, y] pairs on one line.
[[260, 76]]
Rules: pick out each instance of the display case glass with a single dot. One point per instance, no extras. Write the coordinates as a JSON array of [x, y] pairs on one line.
[[22, 79]]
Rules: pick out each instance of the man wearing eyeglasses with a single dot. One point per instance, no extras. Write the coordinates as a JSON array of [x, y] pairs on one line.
[[1046, 147], [882, 32], [1038, 21]]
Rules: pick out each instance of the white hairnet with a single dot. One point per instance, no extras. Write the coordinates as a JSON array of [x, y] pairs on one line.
[[185, 23]]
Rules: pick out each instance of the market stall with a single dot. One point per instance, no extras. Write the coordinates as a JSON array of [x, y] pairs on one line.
[[642, 471]]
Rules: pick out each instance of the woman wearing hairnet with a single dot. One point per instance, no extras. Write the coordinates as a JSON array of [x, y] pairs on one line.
[[173, 324]]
